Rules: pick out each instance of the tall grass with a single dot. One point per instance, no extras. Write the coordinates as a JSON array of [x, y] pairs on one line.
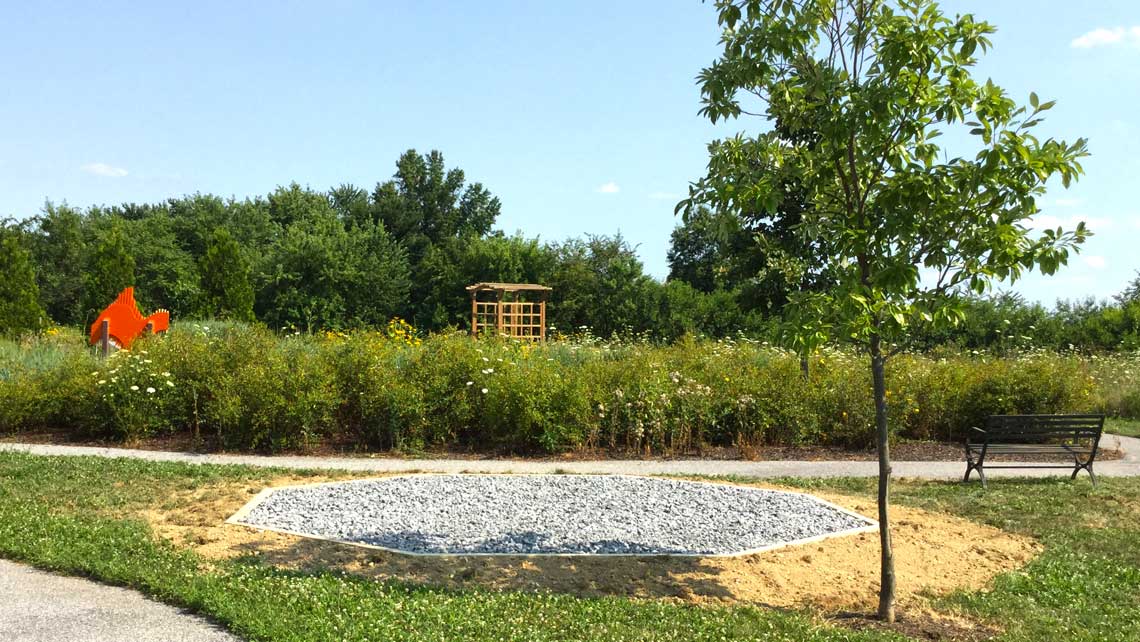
[[244, 387]]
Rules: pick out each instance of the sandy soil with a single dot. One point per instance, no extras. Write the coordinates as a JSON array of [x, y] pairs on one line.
[[935, 554]]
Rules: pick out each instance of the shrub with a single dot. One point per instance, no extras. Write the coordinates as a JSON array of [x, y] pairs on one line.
[[379, 410], [45, 384], [243, 386], [133, 397]]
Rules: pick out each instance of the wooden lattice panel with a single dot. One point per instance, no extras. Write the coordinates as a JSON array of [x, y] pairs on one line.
[[509, 318], [521, 319]]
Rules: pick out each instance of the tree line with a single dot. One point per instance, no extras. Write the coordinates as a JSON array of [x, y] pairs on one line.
[[752, 261], [344, 258], [350, 258]]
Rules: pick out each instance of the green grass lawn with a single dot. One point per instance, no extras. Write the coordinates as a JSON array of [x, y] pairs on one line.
[[1126, 427], [73, 515]]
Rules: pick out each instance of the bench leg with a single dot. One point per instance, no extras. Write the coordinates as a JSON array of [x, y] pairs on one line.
[[972, 465], [1085, 466]]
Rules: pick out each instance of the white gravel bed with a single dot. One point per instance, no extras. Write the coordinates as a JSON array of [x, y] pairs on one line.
[[549, 514]]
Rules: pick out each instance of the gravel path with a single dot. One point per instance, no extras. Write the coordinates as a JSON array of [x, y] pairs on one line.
[[1129, 466], [550, 514]]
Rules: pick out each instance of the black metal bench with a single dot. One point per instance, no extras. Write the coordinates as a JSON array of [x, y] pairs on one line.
[[1073, 437]]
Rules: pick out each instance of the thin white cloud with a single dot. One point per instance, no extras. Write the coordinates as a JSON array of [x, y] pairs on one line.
[[1108, 37], [1050, 222], [1067, 202], [103, 169], [664, 196], [1094, 261], [1073, 280], [608, 188]]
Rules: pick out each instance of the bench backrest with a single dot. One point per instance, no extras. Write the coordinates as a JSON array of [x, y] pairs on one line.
[[1043, 427]]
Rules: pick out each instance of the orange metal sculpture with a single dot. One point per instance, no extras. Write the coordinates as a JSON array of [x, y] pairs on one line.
[[125, 323]]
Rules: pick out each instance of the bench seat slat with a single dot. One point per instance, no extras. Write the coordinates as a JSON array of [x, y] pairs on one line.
[[1029, 449]]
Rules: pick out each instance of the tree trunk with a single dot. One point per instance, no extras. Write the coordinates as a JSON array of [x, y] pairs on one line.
[[882, 442], [805, 368]]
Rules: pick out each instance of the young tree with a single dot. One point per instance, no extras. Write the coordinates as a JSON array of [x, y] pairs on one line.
[[908, 224], [226, 287], [20, 309]]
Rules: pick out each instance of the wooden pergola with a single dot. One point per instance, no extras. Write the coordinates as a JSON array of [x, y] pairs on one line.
[[515, 310]]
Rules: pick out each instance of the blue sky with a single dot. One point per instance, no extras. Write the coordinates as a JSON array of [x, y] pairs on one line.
[[580, 116]]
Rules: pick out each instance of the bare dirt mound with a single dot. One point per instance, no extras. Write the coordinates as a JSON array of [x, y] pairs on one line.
[[935, 554]]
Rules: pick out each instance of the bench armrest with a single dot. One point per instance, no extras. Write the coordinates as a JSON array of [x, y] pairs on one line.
[[976, 433]]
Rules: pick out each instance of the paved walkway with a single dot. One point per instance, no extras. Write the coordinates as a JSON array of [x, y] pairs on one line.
[[41, 607], [1129, 466]]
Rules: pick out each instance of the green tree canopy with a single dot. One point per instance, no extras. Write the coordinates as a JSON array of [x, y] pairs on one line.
[[426, 204], [110, 268], [321, 275], [450, 268], [601, 284], [701, 250], [59, 249], [431, 212], [225, 275], [20, 309]]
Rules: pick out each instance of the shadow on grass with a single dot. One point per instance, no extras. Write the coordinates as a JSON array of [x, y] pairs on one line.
[[654, 576]]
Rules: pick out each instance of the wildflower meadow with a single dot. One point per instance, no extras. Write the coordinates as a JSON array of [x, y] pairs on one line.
[[241, 386]]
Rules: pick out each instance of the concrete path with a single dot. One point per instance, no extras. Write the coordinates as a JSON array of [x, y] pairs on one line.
[[1127, 467], [41, 607]]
